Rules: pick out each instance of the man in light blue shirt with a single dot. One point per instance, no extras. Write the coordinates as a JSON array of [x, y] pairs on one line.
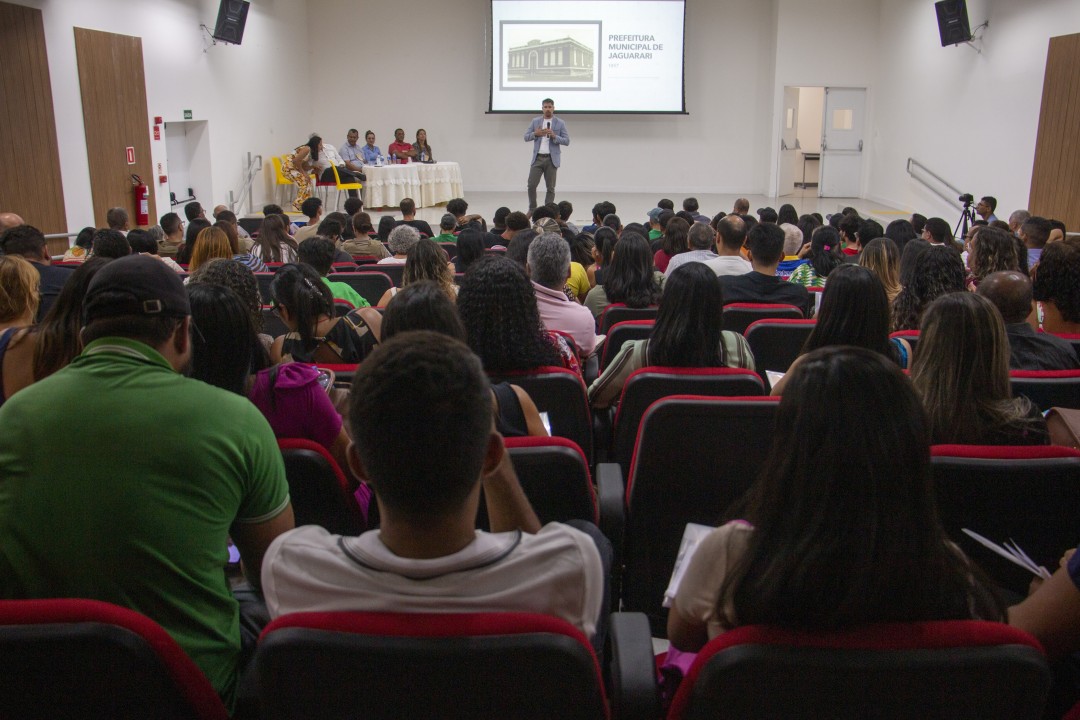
[[351, 154]]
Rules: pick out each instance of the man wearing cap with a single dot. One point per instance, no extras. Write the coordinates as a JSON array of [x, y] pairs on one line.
[[655, 231], [164, 470]]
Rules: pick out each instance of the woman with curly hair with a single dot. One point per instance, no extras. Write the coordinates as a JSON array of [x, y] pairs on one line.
[[629, 279], [881, 257], [676, 239], [497, 304], [991, 250], [962, 373], [688, 333], [241, 280], [425, 261], [937, 271], [1056, 286], [823, 255], [274, 243]]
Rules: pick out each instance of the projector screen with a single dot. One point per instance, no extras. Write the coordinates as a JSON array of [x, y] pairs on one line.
[[589, 56]]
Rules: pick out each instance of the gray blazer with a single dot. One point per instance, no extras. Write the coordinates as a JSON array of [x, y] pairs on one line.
[[561, 138]]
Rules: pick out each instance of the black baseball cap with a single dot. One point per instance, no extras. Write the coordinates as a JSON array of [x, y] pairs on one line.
[[135, 285]]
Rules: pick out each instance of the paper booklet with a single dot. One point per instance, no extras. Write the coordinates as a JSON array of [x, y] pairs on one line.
[[692, 537], [1011, 552]]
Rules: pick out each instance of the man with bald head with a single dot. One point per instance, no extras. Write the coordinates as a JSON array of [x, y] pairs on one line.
[[742, 207], [1010, 291], [9, 220]]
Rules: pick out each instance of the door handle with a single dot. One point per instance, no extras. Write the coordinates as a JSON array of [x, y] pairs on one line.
[[860, 146], [783, 144]]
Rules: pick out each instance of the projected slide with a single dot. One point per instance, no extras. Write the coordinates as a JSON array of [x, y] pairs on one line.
[[598, 56]]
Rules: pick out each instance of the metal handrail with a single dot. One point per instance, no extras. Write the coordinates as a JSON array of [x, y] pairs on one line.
[[254, 167], [912, 162]]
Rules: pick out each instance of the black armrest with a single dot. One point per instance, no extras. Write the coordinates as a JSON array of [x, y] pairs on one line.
[[634, 691], [610, 494]]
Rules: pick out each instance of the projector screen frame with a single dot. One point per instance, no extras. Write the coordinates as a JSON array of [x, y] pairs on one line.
[[555, 92]]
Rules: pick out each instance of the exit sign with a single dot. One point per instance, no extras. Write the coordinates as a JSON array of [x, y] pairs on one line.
[[130, 153], [187, 114]]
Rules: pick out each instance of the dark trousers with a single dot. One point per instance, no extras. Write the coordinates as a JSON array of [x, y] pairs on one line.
[[347, 176], [542, 166]]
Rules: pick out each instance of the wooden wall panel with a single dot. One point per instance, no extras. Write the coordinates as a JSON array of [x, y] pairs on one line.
[[1055, 180], [115, 117], [30, 181]]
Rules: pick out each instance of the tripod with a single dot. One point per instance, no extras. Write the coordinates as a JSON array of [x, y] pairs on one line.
[[967, 216]]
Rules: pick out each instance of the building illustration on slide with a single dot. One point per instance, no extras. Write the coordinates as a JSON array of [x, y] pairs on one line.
[[564, 59]]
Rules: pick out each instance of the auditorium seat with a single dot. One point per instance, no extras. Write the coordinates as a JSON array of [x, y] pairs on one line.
[[264, 279], [776, 342], [618, 312], [738, 316], [621, 333], [956, 669], [369, 284], [1073, 338], [272, 325], [912, 337], [561, 393], [394, 272], [318, 489], [84, 660], [1047, 388], [331, 666], [450, 249], [693, 458], [648, 384]]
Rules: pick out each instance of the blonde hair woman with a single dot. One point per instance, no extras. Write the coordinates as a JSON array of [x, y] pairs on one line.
[[881, 257], [19, 298], [210, 244]]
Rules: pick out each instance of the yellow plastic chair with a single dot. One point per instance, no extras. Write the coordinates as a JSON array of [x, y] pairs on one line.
[[343, 187], [279, 175]]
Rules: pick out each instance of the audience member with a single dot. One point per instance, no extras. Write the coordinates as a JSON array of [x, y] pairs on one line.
[[196, 226], [226, 216], [83, 245], [460, 209], [741, 207], [691, 206], [765, 247], [312, 208], [239, 254], [274, 243], [1010, 291], [854, 311], [793, 245], [936, 271], [362, 244], [701, 240], [170, 505], [868, 230], [240, 279], [566, 209], [427, 471], [306, 307], [1056, 286], [674, 241], [9, 220], [548, 266], [823, 256], [425, 261], [937, 232], [599, 211], [498, 308], [424, 305], [992, 250], [1035, 232], [470, 248], [19, 295], [767, 215], [787, 214], [318, 252], [861, 514], [29, 243], [226, 351], [400, 240], [655, 232], [1017, 220], [143, 243], [687, 334], [408, 217], [447, 223], [117, 219], [629, 279], [985, 208], [918, 222], [194, 211], [901, 232], [962, 374], [731, 230], [882, 258], [173, 227], [212, 244], [111, 244]]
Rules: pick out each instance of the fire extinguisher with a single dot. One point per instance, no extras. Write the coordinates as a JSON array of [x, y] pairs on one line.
[[142, 201]]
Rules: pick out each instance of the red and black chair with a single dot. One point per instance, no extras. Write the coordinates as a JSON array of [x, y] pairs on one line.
[[738, 316], [776, 342], [394, 272], [272, 325], [1047, 388], [450, 249], [694, 457], [621, 333], [361, 260], [470, 665], [618, 312], [1030, 494], [649, 384], [1073, 338], [319, 491], [86, 659], [560, 393], [956, 669], [340, 267], [369, 284], [912, 337]]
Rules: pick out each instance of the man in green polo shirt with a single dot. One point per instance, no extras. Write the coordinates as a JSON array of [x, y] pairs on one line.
[[446, 229], [154, 474], [318, 252]]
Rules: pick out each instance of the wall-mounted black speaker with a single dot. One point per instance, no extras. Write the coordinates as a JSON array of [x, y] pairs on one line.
[[231, 18], [952, 22]]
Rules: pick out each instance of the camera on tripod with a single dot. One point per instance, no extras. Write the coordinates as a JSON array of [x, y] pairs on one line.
[[967, 199]]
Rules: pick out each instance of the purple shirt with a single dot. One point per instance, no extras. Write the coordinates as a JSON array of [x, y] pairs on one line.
[[296, 406]]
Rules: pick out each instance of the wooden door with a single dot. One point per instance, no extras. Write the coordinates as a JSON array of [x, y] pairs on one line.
[[1055, 178]]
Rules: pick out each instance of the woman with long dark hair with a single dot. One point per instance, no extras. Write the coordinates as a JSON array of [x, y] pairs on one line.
[[688, 333], [824, 256], [855, 312], [306, 306], [674, 241], [834, 534], [191, 237], [629, 278], [900, 232], [497, 305], [962, 374], [274, 243], [470, 248], [787, 214], [937, 270], [298, 166]]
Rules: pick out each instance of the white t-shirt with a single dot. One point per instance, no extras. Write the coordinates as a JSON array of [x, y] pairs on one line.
[[545, 142], [729, 265], [555, 572]]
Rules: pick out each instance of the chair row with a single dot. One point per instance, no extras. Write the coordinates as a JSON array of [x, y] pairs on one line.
[[119, 664]]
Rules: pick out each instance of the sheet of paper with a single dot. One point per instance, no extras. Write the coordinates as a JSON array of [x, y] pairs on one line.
[[1013, 554], [692, 537]]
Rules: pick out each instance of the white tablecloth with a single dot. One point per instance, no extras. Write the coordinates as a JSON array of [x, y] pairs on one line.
[[439, 182], [428, 185]]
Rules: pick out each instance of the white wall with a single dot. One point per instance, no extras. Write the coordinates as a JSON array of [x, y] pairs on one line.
[[243, 92], [388, 78], [972, 118]]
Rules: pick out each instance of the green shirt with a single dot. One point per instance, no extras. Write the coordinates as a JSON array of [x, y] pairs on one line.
[[655, 235], [119, 481], [344, 291], [445, 237]]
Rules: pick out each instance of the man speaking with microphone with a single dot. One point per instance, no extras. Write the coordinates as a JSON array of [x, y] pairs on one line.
[[547, 133]]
